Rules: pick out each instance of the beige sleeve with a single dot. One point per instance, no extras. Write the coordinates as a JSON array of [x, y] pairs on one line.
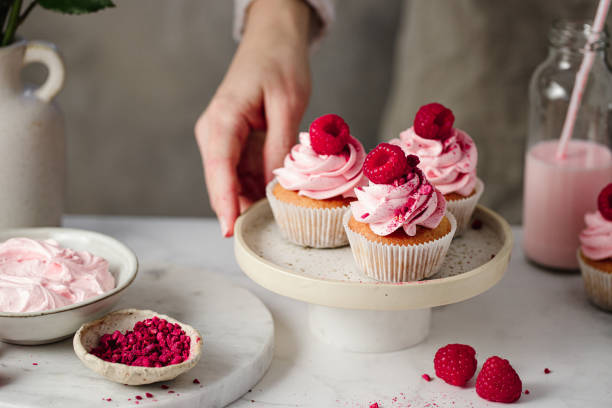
[[324, 9]]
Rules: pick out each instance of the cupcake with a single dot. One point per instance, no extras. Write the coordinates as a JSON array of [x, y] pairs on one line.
[[397, 227], [448, 158], [315, 186], [595, 253]]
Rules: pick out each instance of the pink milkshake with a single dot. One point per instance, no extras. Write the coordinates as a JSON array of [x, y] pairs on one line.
[[557, 194]]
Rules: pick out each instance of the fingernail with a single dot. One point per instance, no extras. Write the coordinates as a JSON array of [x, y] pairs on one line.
[[223, 224]]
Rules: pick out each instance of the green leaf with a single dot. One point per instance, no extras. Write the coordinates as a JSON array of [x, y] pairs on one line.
[[76, 6]]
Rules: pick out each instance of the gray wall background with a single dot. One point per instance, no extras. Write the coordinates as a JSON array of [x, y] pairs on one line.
[[139, 75]]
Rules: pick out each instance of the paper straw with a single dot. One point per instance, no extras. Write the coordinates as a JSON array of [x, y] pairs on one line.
[[581, 78]]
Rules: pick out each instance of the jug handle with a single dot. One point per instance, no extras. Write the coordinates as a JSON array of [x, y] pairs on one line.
[[46, 54]]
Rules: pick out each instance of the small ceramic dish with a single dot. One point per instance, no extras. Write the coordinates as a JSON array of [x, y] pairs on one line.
[[88, 336], [53, 325]]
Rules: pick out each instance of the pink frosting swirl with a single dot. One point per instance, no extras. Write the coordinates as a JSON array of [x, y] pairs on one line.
[[41, 275], [449, 164], [322, 176], [387, 207], [596, 238]]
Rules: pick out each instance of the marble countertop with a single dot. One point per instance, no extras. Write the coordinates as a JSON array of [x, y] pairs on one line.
[[535, 318]]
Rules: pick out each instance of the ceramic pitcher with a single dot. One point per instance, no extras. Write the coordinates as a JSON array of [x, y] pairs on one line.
[[32, 146]]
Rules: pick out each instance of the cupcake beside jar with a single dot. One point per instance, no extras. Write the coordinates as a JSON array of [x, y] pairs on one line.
[[595, 253], [315, 186], [397, 227], [448, 158]]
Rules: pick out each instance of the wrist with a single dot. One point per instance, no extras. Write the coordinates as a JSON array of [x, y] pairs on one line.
[[292, 19]]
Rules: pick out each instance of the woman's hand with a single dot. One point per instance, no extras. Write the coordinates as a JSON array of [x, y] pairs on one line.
[[252, 120]]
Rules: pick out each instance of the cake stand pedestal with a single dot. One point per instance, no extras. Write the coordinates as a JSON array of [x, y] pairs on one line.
[[354, 312]]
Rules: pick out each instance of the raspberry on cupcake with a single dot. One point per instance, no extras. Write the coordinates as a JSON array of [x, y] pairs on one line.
[[397, 227], [316, 184], [448, 158], [595, 253]]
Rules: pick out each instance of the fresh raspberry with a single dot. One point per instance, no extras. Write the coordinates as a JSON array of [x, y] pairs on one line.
[[498, 382], [434, 121], [604, 202], [385, 163], [329, 134], [455, 363]]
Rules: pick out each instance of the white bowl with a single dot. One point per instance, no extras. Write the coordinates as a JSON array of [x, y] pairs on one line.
[[53, 325], [88, 336]]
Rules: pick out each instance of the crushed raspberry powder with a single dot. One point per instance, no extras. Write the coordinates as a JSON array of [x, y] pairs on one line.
[[152, 343]]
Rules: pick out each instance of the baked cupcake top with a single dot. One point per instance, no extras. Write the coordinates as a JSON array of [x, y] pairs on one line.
[[398, 194], [596, 238], [326, 163], [448, 155]]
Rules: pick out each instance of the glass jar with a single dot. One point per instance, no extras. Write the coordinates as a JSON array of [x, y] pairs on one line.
[[558, 192]]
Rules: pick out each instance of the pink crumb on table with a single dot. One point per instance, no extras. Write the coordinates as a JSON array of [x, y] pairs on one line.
[[170, 392], [149, 395], [546, 371], [196, 381], [34, 363], [426, 377], [526, 392], [374, 405], [138, 397]]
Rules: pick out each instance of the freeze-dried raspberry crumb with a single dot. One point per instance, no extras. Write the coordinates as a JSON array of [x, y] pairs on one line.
[[329, 134], [526, 392], [455, 363], [546, 371], [34, 363], [152, 343], [149, 395], [196, 381], [476, 224], [385, 163], [164, 387], [498, 382], [434, 121], [426, 377], [138, 397], [374, 405]]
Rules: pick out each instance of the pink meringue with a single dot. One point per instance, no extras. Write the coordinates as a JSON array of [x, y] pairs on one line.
[[41, 275], [449, 164], [387, 207], [322, 176], [596, 238]]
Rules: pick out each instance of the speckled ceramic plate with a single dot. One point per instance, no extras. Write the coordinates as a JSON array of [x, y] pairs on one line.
[[474, 263]]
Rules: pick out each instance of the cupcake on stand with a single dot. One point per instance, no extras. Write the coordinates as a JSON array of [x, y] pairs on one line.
[[595, 253], [448, 158], [315, 186], [397, 228]]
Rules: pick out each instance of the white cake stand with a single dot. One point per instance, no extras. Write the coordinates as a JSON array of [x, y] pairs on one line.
[[354, 312]]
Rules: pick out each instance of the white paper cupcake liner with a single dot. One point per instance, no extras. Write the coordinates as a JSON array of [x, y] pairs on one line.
[[464, 208], [598, 284], [310, 227], [398, 263]]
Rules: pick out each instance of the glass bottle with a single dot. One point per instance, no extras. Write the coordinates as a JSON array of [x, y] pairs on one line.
[[558, 192]]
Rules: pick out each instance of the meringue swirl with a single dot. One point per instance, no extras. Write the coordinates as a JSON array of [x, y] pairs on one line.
[[322, 176], [41, 275], [387, 207], [449, 164], [596, 238]]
